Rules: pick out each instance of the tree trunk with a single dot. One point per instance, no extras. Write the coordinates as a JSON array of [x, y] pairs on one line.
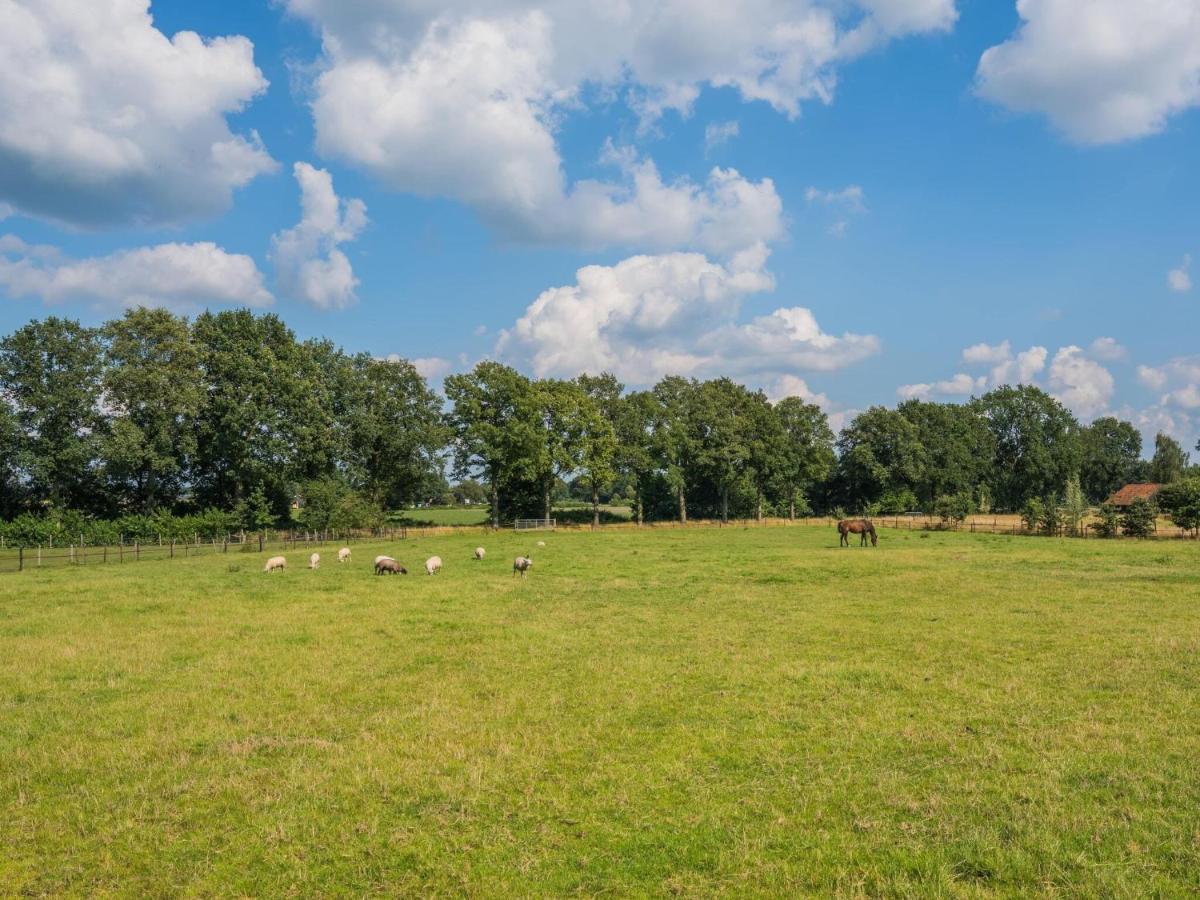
[[682, 507], [595, 505], [637, 498], [495, 504], [724, 503], [792, 510], [546, 498], [760, 509]]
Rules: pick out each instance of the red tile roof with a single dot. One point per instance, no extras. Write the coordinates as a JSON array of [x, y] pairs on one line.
[[1131, 492]]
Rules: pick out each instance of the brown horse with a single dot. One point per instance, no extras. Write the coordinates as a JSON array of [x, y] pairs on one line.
[[862, 527]]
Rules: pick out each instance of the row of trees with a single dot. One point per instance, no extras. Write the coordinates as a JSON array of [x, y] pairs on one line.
[[230, 412]]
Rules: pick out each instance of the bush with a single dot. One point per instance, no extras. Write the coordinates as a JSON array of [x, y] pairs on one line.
[[953, 508], [893, 503], [1109, 524], [1181, 501], [1138, 520], [1031, 514], [1051, 519]]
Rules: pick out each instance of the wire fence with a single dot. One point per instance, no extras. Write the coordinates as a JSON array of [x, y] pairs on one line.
[[18, 559]]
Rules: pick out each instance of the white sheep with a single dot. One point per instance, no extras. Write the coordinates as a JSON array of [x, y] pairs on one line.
[[522, 564], [433, 565], [381, 556], [275, 562], [344, 555], [479, 552], [314, 561]]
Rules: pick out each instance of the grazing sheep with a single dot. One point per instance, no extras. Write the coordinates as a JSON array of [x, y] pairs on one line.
[[381, 556], [387, 565], [314, 561], [433, 565], [275, 562], [541, 543], [479, 552], [344, 555], [522, 564]]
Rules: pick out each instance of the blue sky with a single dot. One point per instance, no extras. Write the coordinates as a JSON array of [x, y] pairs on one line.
[[854, 201]]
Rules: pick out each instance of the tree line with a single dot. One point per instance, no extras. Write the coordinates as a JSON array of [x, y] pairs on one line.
[[230, 418]]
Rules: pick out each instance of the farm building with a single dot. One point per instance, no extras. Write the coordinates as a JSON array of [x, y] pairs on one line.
[[1126, 495]]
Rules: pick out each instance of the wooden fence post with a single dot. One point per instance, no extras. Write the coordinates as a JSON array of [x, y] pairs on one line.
[[21, 558]]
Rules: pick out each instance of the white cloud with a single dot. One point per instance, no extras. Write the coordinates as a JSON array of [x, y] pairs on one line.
[[1100, 70], [432, 368], [648, 316], [1155, 379], [1107, 349], [987, 354], [1178, 380], [793, 386], [960, 385], [1083, 385], [308, 264], [1180, 279], [105, 121], [178, 276], [849, 201], [462, 99], [718, 133], [1023, 369]]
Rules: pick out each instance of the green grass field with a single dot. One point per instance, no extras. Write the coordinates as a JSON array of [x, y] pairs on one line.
[[708, 712]]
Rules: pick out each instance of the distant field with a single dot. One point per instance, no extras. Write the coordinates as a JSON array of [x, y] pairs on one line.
[[708, 712], [479, 515]]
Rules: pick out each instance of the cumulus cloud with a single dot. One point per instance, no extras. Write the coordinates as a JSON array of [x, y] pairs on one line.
[[718, 133], [675, 313], [308, 264], [1178, 381], [1180, 279], [960, 385], [849, 201], [432, 368], [462, 99], [104, 120], [793, 386], [1107, 349], [1099, 70], [177, 276], [987, 354], [1021, 369], [1081, 384]]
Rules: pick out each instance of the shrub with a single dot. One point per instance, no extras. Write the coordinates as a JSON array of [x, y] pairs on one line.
[[1074, 506], [1051, 519], [1138, 520], [1181, 501], [1031, 514], [1109, 524], [953, 508]]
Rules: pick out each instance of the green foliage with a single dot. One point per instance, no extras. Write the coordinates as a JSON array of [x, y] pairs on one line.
[[1169, 462], [1032, 513], [255, 512], [1036, 443], [1074, 506], [1138, 519], [1110, 452], [1109, 523], [880, 454], [952, 509], [983, 498], [1051, 519], [1181, 501]]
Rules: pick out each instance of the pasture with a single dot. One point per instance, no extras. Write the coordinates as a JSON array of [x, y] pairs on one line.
[[699, 712]]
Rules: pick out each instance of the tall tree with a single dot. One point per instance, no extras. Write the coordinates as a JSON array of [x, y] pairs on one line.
[[720, 431], [766, 447], [10, 448], [957, 444], [153, 392], [1037, 443], [600, 412], [1170, 460], [495, 424], [394, 426], [806, 456], [880, 456], [563, 411], [266, 420], [50, 376], [636, 444], [1110, 451], [674, 446]]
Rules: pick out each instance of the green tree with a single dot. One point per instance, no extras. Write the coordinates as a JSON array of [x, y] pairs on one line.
[[599, 412], [495, 424], [1110, 521], [563, 412], [50, 376], [1051, 519], [1181, 501], [1110, 450], [958, 447], [255, 512], [1169, 462], [674, 446], [1036, 440], [1139, 518], [394, 429], [952, 509], [633, 425], [880, 453], [10, 448], [152, 388], [1074, 505], [806, 456], [1032, 513], [721, 434]]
